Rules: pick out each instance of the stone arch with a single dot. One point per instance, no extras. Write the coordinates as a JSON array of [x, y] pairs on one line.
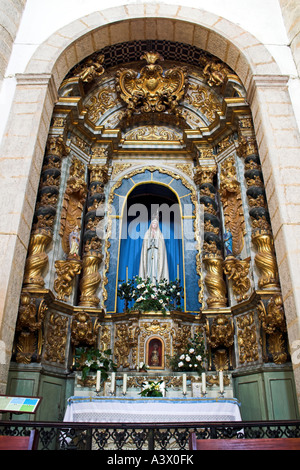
[[267, 95], [229, 42]]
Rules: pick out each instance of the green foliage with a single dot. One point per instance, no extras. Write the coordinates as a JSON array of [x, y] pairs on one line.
[[152, 389], [91, 359]]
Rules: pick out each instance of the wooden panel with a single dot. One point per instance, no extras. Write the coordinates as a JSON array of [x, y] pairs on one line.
[[281, 396], [245, 444], [19, 442], [249, 391]]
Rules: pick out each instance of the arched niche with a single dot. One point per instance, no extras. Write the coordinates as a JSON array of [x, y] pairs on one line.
[[155, 353], [184, 193]]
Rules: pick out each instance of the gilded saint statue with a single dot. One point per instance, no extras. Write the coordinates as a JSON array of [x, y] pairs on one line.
[[74, 240], [155, 359], [153, 261]]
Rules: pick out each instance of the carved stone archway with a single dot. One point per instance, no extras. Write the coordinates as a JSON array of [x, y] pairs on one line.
[[254, 65]]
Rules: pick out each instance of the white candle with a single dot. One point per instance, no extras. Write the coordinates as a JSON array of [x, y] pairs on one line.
[[203, 382], [113, 382], [184, 384], [221, 381], [98, 380], [124, 383]]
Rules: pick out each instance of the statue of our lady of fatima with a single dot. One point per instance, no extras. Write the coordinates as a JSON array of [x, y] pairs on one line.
[[153, 261]]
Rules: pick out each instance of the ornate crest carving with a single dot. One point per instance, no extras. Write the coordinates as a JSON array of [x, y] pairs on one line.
[[74, 199], [151, 90], [230, 193]]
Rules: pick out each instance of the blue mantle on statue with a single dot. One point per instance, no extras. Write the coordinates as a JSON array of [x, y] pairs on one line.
[[151, 410], [124, 251]]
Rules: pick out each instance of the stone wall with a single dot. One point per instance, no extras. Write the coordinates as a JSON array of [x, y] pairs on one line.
[[10, 14]]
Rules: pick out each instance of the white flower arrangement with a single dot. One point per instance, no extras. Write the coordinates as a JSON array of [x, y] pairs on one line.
[[153, 389], [148, 296], [192, 357]]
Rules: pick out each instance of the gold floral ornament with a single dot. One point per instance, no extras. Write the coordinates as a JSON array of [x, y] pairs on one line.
[[214, 71], [91, 69], [151, 90]]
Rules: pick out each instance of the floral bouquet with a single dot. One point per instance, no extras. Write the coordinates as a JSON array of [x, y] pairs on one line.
[[91, 359], [191, 359], [143, 367], [149, 296], [153, 389]]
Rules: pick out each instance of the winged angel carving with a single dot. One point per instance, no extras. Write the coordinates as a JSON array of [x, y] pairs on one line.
[[152, 89]]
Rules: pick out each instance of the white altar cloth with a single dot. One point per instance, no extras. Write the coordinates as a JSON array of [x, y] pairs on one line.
[[151, 410]]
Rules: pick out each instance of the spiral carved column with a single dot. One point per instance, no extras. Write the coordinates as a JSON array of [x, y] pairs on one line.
[[262, 237], [214, 280], [92, 255], [33, 305], [212, 258], [45, 214]]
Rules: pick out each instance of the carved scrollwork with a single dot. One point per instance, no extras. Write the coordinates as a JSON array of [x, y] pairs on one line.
[[247, 339], [221, 332], [151, 90], [32, 311], [82, 330], [66, 271], [73, 203], [56, 339], [91, 69], [238, 270], [126, 342], [272, 318], [214, 71], [230, 193]]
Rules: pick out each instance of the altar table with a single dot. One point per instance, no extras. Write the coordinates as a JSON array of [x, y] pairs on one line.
[[151, 410]]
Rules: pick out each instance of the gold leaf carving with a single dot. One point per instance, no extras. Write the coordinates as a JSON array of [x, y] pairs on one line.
[[230, 193], [73, 203], [151, 90]]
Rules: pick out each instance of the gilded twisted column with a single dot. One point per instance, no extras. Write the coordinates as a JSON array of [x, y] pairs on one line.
[[213, 260], [45, 212], [265, 259], [262, 237], [90, 279], [29, 331], [37, 260], [214, 281], [92, 256]]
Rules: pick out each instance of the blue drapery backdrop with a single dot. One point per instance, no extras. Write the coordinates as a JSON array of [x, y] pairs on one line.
[[135, 226]]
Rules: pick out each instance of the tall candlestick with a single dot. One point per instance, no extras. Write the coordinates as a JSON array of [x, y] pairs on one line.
[[221, 381], [124, 383], [203, 383], [113, 383], [98, 381], [184, 384]]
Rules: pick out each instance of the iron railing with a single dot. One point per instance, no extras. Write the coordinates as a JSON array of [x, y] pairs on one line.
[[161, 436]]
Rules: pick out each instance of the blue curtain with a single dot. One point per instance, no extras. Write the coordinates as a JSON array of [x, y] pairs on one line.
[[130, 251]]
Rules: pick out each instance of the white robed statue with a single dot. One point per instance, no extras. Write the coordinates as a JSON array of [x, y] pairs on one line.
[[153, 261]]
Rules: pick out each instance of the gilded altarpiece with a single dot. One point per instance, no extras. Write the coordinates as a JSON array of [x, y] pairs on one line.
[[159, 125]]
